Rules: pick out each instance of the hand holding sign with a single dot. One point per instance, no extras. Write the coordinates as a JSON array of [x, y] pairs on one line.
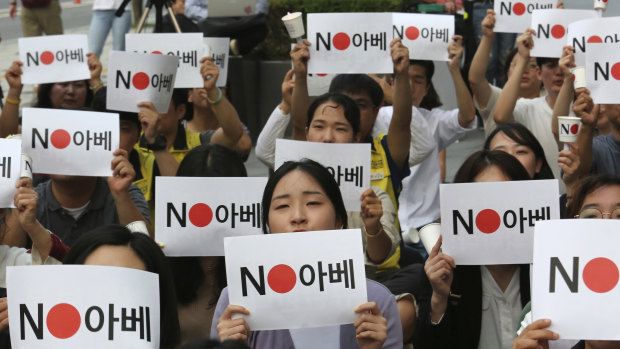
[[370, 327], [535, 336], [400, 57], [209, 72], [300, 56], [455, 52], [567, 61], [14, 77], [439, 270], [525, 43], [26, 204], [585, 108], [488, 24], [569, 162], [123, 174], [95, 68], [149, 120], [371, 212], [233, 329]]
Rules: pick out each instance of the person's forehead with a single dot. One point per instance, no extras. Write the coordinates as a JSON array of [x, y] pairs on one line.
[[358, 96], [416, 70]]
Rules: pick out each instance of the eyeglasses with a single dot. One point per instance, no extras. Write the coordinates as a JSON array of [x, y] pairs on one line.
[[595, 213]]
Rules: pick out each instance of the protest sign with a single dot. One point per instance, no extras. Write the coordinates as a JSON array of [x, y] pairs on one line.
[[426, 36], [194, 214], [231, 8], [493, 222], [575, 277], [140, 77], [516, 16], [10, 155], [589, 31], [83, 307], [70, 142], [603, 72], [348, 163], [281, 278], [318, 84], [53, 58], [218, 48], [350, 43], [188, 47], [551, 28]]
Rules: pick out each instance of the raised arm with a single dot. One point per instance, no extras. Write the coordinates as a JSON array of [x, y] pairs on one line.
[[467, 112], [588, 112], [301, 100], [399, 136], [230, 131], [508, 98], [9, 119], [477, 71], [567, 92]]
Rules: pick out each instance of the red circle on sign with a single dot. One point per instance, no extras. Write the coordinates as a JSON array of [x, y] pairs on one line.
[[615, 71], [140, 81], [200, 215], [574, 129], [558, 31], [63, 320], [487, 221], [595, 39], [156, 52], [60, 139], [519, 9], [412, 33], [47, 57], [321, 75], [341, 41], [281, 278], [600, 275]]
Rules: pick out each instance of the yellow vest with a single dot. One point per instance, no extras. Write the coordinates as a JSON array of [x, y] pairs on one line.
[[380, 176]]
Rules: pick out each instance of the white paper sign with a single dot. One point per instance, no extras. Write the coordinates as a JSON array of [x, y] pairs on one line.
[[54, 58], [426, 36], [194, 214], [551, 28], [140, 77], [70, 142], [599, 30], [231, 8], [318, 84], [516, 16], [284, 279], [493, 222], [186, 46], [603, 72], [349, 164], [83, 307], [575, 277], [350, 43], [219, 48], [10, 159]]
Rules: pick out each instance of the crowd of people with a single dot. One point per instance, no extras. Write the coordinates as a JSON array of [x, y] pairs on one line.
[[415, 298]]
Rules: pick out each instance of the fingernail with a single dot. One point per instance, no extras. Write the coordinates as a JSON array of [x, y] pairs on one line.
[[357, 310], [161, 244], [247, 312]]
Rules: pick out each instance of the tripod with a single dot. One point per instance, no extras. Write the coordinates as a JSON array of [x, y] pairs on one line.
[[159, 6]]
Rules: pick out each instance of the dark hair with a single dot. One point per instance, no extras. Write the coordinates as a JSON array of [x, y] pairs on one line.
[[520, 134], [214, 344], [351, 110], [589, 185], [44, 90], [477, 162], [153, 258], [207, 160], [429, 68], [179, 97], [316, 171], [431, 100], [509, 57], [357, 83], [544, 60], [99, 104]]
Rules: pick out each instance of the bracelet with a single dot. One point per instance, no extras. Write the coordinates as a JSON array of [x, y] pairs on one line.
[[13, 101], [372, 235], [219, 97]]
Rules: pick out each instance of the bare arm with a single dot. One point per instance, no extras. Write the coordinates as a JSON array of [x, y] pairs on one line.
[[399, 136], [467, 112], [508, 98], [378, 243], [301, 100], [588, 112], [565, 97], [477, 71], [9, 120], [26, 211]]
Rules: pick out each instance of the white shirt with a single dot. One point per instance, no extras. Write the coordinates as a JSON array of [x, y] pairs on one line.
[[419, 199], [500, 311], [266, 143], [17, 256]]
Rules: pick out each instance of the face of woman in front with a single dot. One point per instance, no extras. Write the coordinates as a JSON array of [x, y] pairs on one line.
[[115, 256], [70, 94], [604, 202], [491, 174], [523, 153], [299, 203]]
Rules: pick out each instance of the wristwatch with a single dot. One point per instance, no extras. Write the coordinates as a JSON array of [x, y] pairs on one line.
[[159, 144]]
